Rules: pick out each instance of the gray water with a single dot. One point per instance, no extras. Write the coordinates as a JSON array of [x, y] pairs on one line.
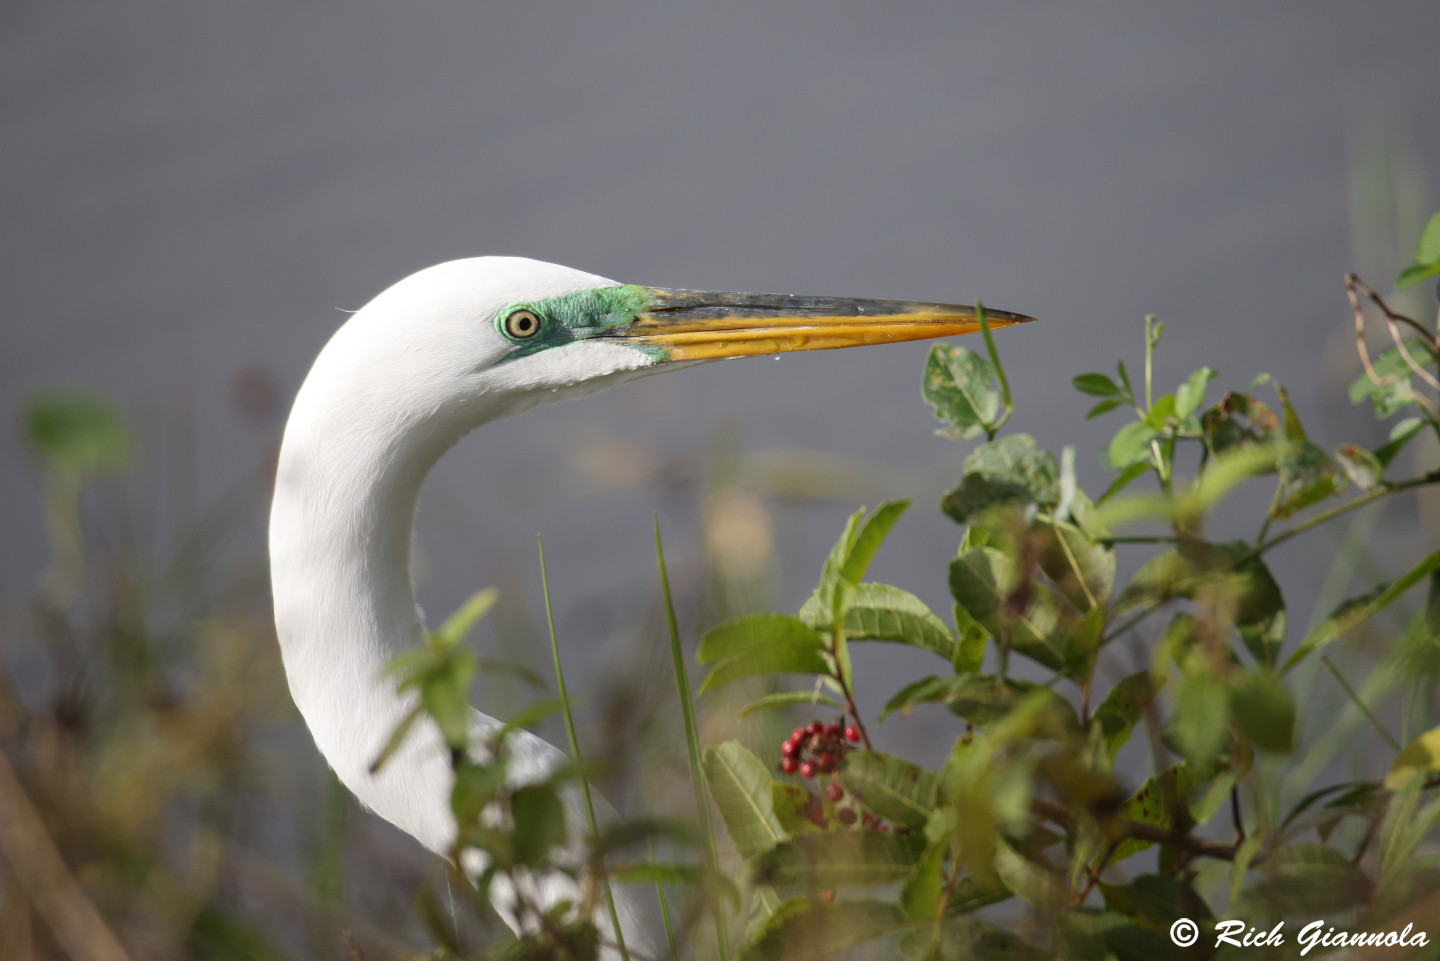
[[193, 191]]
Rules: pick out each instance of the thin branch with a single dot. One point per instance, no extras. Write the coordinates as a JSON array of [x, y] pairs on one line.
[[1324, 516], [1356, 700]]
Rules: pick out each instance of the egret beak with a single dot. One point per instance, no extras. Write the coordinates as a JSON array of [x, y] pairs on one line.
[[708, 325]]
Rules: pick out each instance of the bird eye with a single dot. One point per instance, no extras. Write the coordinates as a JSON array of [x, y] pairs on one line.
[[522, 324]]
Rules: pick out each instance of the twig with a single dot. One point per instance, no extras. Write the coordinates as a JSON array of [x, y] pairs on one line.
[[1328, 515], [41, 871]]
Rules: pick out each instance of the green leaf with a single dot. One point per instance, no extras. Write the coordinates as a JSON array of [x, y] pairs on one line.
[[1104, 407], [771, 702], [847, 562], [1309, 879], [984, 698], [927, 690], [1361, 467], [459, 624], [826, 860], [1427, 256], [983, 582], [802, 929], [1238, 420], [443, 694], [740, 787], [970, 651], [1393, 392], [1127, 476], [1122, 708], [1199, 722], [1155, 900], [1161, 412], [920, 896], [1259, 607], [1082, 569], [76, 433], [1307, 476], [1130, 445], [1124, 377], [1421, 755], [869, 538], [1263, 709], [890, 787], [879, 612], [1096, 385], [1190, 396], [756, 632], [791, 802], [1007, 471], [539, 818], [1162, 800], [475, 787], [1106, 934], [1166, 575], [1351, 614], [1400, 435], [1036, 886], [957, 385], [760, 644]]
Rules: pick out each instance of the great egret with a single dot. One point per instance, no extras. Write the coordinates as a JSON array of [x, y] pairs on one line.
[[423, 364]]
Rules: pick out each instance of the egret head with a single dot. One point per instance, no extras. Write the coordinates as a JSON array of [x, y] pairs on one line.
[[499, 334]]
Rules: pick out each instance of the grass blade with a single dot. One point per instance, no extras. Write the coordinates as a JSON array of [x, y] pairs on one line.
[[664, 911], [692, 741], [575, 745]]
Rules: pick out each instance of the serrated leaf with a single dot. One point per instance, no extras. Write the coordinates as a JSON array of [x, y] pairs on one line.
[[802, 929], [957, 385], [740, 787], [760, 644], [890, 787], [825, 860], [1264, 711], [879, 612], [771, 702]]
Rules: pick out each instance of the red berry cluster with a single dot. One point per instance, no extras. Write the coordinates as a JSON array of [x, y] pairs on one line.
[[818, 748]]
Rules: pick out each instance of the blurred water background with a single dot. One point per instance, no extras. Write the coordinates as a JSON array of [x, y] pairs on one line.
[[193, 195]]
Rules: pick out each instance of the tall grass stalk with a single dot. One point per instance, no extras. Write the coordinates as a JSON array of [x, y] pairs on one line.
[[575, 745], [692, 741]]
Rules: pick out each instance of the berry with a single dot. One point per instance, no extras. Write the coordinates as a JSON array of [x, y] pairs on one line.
[[788, 765], [834, 791], [807, 768], [852, 734], [846, 816], [790, 748], [828, 762], [797, 734], [832, 730], [815, 728]]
